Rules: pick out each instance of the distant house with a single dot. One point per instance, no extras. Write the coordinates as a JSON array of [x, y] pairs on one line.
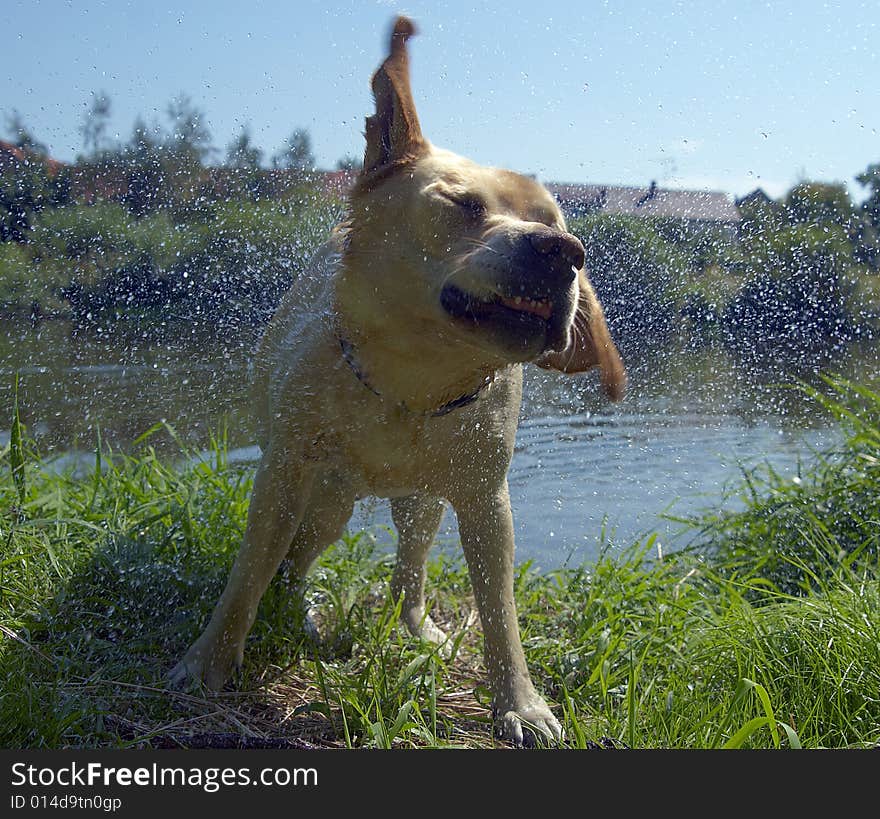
[[699, 208], [11, 155], [696, 207], [757, 197], [693, 207]]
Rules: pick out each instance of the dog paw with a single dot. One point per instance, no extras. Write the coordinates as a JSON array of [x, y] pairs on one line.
[[526, 722], [310, 628], [210, 667], [421, 625], [430, 632]]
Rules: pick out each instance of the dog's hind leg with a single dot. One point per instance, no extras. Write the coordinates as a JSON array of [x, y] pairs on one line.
[[417, 519], [330, 507], [278, 506], [323, 523]]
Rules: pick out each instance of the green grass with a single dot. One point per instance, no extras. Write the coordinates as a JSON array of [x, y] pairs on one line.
[[764, 632]]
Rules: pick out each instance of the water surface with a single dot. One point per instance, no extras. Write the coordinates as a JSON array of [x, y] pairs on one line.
[[585, 473]]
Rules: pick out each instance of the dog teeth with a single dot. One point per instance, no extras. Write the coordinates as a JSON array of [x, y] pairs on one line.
[[538, 307]]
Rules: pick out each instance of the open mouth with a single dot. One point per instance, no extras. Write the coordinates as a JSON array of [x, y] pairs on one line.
[[504, 308]]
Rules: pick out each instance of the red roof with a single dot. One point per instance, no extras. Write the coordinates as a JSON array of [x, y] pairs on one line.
[[12, 153]]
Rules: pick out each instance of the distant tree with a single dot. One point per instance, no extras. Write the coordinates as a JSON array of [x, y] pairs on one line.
[[189, 138], [185, 152], [95, 127], [869, 233], [21, 135], [349, 163], [145, 140], [801, 270], [242, 153], [142, 160], [818, 202], [870, 178], [635, 271], [27, 188], [296, 155], [758, 212], [28, 185]]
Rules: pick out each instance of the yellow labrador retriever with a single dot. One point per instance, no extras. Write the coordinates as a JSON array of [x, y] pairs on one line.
[[393, 369]]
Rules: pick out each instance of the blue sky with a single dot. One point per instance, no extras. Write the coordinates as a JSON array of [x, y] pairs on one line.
[[726, 94]]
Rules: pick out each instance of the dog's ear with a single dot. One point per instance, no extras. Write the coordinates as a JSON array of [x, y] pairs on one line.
[[393, 133], [590, 345]]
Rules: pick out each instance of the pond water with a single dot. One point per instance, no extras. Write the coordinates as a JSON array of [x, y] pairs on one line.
[[585, 474]]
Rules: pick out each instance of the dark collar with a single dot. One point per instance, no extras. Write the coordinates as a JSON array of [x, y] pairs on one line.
[[462, 401]]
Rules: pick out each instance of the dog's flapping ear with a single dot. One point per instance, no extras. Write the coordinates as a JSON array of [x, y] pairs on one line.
[[590, 345], [393, 133]]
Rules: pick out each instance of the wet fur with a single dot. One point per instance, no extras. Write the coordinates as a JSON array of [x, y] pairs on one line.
[[426, 228]]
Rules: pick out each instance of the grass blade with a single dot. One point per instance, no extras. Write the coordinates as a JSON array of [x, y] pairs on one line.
[[98, 469], [16, 450], [764, 697], [737, 740]]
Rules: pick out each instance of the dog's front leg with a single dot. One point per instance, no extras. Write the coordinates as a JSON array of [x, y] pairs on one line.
[[277, 504], [486, 528]]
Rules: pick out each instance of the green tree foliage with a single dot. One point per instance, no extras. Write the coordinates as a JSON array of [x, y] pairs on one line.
[[758, 212], [26, 188], [28, 183], [95, 128], [349, 163], [801, 272], [869, 236], [242, 153], [16, 275], [296, 154], [870, 178], [163, 169], [243, 174], [636, 273], [189, 138], [154, 225], [819, 203], [146, 182], [229, 268], [21, 135]]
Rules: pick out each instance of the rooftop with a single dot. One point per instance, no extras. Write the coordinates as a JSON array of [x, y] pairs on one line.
[[693, 205]]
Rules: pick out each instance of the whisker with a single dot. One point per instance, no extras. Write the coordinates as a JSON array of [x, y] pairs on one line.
[[481, 244]]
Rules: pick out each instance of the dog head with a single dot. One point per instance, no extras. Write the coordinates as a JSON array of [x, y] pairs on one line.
[[478, 257]]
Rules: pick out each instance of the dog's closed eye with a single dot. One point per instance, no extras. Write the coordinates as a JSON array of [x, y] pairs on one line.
[[469, 205]]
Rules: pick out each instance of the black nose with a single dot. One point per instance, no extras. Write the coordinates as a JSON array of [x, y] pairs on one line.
[[561, 248]]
